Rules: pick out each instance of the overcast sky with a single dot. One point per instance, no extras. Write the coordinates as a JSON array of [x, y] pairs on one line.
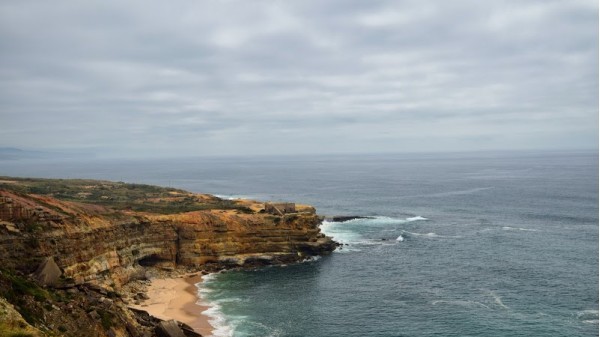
[[164, 78]]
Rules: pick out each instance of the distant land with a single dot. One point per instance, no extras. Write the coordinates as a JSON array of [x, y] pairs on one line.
[[13, 153]]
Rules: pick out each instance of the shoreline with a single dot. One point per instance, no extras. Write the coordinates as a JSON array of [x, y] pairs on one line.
[[177, 298]]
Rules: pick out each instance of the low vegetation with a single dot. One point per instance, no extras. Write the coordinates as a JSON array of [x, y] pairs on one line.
[[120, 195]]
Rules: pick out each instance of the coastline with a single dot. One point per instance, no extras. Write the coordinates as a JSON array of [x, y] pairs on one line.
[[177, 298]]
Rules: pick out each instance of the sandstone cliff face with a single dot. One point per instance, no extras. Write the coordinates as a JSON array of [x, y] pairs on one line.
[[93, 244], [68, 247], [240, 239]]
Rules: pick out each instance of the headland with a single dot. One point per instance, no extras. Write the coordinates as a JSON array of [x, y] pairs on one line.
[[81, 256]]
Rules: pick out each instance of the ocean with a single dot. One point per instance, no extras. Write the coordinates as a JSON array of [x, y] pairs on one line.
[[470, 244]]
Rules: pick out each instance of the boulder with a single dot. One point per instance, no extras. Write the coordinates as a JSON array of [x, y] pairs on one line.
[[169, 329], [48, 273]]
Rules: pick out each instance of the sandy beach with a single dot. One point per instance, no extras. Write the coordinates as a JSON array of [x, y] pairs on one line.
[[175, 298]]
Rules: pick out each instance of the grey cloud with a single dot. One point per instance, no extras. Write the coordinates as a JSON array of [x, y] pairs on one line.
[[236, 77]]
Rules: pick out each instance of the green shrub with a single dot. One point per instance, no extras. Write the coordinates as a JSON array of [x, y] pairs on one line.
[[106, 318]]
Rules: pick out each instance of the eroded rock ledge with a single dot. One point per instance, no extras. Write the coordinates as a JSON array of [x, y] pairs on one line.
[[107, 245]]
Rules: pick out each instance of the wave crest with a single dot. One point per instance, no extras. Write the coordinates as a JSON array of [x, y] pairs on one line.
[[588, 316]]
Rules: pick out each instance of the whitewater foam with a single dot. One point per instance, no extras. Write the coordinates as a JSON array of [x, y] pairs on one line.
[[416, 218], [430, 235], [508, 228], [228, 325], [340, 233], [349, 232], [216, 318], [498, 300], [218, 321], [588, 316], [378, 221], [312, 259]]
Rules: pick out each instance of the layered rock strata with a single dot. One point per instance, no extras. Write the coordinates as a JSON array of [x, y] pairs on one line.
[[70, 247], [95, 244]]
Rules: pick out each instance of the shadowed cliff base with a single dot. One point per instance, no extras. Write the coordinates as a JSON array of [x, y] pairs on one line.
[[82, 241]]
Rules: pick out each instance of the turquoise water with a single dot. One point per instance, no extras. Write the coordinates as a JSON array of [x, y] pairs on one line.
[[500, 244]]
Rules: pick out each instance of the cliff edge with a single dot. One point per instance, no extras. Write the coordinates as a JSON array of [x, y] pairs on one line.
[[71, 245]]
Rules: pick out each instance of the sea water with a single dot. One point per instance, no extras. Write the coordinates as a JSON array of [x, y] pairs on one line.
[[482, 244]]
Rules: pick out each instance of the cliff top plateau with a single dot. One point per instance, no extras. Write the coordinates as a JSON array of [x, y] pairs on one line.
[[72, 248]]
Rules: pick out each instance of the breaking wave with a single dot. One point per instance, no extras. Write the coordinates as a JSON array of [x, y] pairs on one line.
[[354, 232], [416, 218], [216, 317], [218, 321], [229, 325]]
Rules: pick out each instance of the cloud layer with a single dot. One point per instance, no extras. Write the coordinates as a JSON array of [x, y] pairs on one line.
[[266, 77]]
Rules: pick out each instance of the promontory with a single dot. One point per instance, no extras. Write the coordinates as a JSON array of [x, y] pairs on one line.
[[69, 248]]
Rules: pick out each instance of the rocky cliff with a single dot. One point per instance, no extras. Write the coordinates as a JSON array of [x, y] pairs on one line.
[[84, 237]]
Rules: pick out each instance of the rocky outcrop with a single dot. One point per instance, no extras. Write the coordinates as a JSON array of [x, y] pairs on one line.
[[66, 262], [248, 239], [48, 273], [344, 218], [169, 329], [91, 244]]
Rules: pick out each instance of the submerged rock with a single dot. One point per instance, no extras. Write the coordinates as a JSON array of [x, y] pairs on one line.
[[344, 218]]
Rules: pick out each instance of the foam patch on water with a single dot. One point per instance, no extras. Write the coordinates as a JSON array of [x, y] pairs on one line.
[[312, 259], [588, 316], [416, 218], [498, 300], [208, 278], [376, 221], [234, 325], [349, 232], [340, 233], [508, 228], [430, 235], [218, 321], [222, 328]]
